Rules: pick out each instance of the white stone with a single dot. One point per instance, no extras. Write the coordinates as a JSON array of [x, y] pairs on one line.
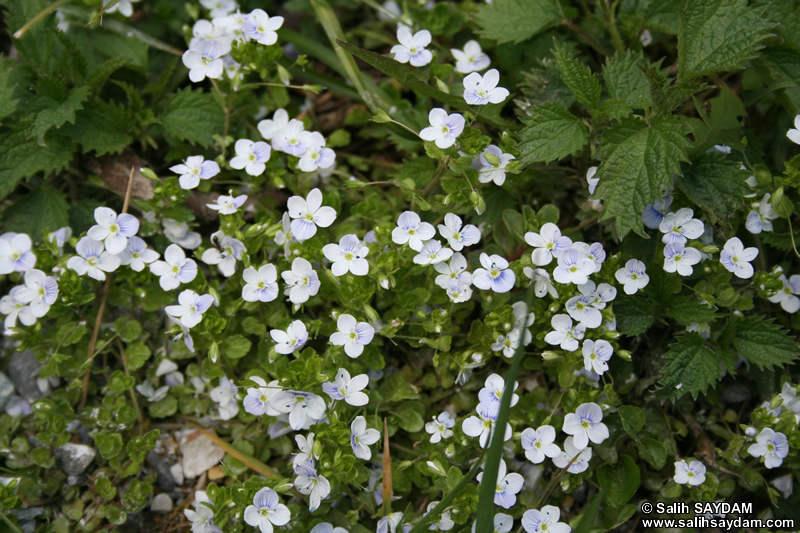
[[161, 503], [177, 473], [199, 454]]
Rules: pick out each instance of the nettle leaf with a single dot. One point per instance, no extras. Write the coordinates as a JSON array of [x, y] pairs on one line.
[[781, 67], [761, 341], [193, 116], [551, 133], [718, 35], [8, 104], [687, 310], [36, 46], [692, 368], [103, 127], [626, 81], [577, 76], [634, 314], [716, 184], [39, 210], [637, 159], [49, 113], [516, 20], [21, 157]]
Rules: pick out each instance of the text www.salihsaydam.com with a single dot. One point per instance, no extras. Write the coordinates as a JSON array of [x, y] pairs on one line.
[[725, 524]]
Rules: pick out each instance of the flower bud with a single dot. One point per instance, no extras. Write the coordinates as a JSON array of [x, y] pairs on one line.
[[624, 354], [750, 431], [371, 313], [442, 86], [709, 249], [213, 352], [550, 356], [149, 174], [477, 202], [450, 451]]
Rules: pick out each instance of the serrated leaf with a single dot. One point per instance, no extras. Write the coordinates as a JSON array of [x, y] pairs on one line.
[[577, 77], [687, 310], [781, 67], [49, 114], [21, 157], [8, 104], [516, 20], [761, 341], [692, 368], [634, 314], [551, 132], [102, 127], [193, 116], [717, 35], [36, 46], [637, 159], [39, 210], [99, 75], [716, 184], [626, 81]]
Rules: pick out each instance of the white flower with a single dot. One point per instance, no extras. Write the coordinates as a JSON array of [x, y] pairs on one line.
[[225, 255], [585, 425], [228, 205], [316, 155], [494, 275], [483, 425], [443, 129], [412, 47], [288, 341], [761, 219], [15, 253], [152, 394], [432, 253], [680, 259], [204, 59], [693, 473], [573, 267], [327, 527], [113, 230], [455, 270], [261, 28], [790, 399], [193, 170], [507, 343], [770, 445], [201, 519], [301, 281], [301, 406], [270, 128], [633, 276], [482, 90], [594, 253], [794, 134], [548, 243], [290, 138], [348, 389], [410, 229], [493, 389], [251, 156], [492, 164], [457, 236], [539, 443], [93, 260], [308, 482], [577, 459], [546, 519], [347, 256], [175, 269], [581, 309], [362, 438], [59, 236], [309, 213], [261, 285], [178, 233], [204, 29], [596, 355], [653, 214], [190, 308], [523, 320], [441, 427], [472, 59], [266, 511], [445, 523], [736, 258], [541, 282], [352, 335], [564, 334], [458, 292], [679, 227], [591, 180], [137, 254], [123, 6], [306, 455], [14, 309], [39, 292], [219, 8], [257, 401], [507, 486], [224, 395], [787, 295], [502, 523]]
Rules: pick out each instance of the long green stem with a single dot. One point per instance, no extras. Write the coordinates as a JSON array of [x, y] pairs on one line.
[[38, 17], [11, 524]]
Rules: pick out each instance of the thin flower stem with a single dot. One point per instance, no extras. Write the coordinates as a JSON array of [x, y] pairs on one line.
[[612, 25], [403, 126], [588, 38], [38, 17], [131, 390], [11, 524], [791, 235]]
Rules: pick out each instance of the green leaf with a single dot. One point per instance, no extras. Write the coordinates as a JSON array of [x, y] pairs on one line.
[[49, 113], [8, 104], [108, 444], [687, 310], [43, 209], [654, 453], [780, 66], [692, 368], [715, 184], [193, 116], [103, 127], [409, 418], [632, 418], [634, 314], [637, 159], [717, 35], [577, 76], [551, 133], [128, 329], [36, 46], [235, 347], [620, 481], [626, 81], [761, 341], [516, 20], [589, 517], [21, 157]]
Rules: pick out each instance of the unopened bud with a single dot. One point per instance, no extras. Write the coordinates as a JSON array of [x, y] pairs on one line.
[[381, 117], [624, 354], [149, 174], [709, 249], [371, 313], [442, 86], [213, 352], [284, 75], [550, 356]]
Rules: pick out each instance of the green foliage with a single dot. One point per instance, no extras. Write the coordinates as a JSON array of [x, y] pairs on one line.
[[551, 133], [761, 341], [103, 128], [626, 81], [193, 116], [22, 157], [516, 20], [47, 113], [621, 481], [49, 206], [715, 184], [577, 77], [692, 367]]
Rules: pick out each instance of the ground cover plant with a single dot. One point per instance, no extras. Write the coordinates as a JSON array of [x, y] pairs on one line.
[[287, 266]]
